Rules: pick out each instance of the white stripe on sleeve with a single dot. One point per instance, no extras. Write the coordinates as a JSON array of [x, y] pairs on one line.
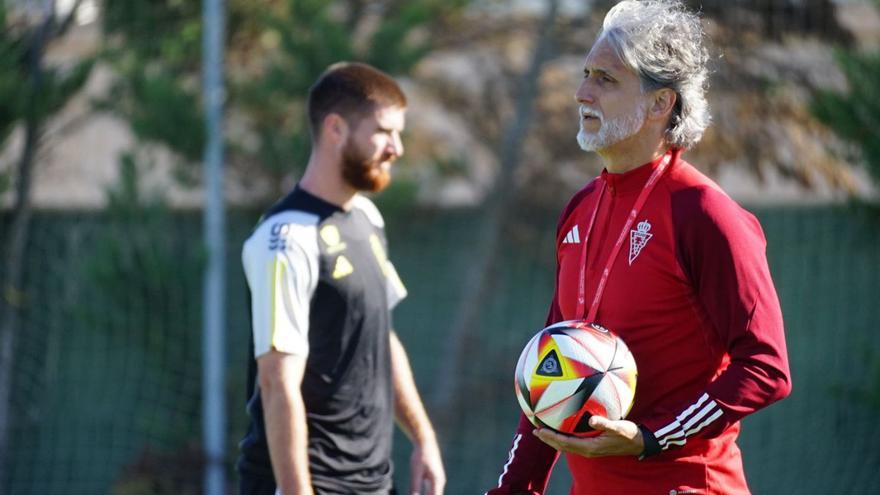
[[510, 457], [691, 421], [280, 262]]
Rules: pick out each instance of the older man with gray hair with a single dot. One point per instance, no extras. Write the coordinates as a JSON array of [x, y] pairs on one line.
[[657, 252]]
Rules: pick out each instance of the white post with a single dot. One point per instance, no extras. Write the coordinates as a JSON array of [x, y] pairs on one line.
[[214, 289]]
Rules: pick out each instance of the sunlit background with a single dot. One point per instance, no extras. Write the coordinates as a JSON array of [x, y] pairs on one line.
[[102, 192]]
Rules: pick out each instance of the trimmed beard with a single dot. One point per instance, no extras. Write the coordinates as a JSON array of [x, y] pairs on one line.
[[611, 131], [362, 172]]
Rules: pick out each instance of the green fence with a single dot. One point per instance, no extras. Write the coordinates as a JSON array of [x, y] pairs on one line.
[[107, 371]]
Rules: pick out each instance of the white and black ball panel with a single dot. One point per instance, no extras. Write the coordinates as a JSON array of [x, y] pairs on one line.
[[571, 371]]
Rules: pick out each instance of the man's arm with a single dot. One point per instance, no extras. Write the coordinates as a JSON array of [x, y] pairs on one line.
[[280, 376], [722, 251], [426, 465]]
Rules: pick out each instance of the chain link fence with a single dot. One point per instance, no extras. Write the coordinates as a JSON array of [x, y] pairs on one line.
[[106, 394]]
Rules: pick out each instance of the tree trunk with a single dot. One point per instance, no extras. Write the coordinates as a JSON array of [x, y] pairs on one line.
[[482, 275], [12, 298]]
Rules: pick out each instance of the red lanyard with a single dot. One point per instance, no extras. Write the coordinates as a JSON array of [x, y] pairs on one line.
[[640, 201]]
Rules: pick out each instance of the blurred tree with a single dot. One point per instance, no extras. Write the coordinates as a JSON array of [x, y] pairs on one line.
[[154, 47], [302, 38], [275, 51], [30, 93], [777, 19], [854, 115]]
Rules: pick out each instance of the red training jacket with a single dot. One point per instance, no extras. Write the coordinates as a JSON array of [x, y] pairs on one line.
[[690, 293]]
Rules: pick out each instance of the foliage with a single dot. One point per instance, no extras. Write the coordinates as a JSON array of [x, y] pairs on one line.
[[275, 51], [12, 84], [11, 91], [31, 91], [303, 39], [167, 30], [19, 95], [855, 115], [155, 48], [161, 111]]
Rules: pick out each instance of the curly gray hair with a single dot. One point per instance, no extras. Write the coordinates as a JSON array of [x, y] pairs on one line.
[[662, 42]]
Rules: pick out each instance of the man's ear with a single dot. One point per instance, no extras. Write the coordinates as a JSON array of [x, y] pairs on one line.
[[335, 128], [662, 104]]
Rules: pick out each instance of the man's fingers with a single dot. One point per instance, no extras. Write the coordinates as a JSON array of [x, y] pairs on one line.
[[546, 435], [600, 423], [416, 478], [434, 483], [551, 438], [430, 487]]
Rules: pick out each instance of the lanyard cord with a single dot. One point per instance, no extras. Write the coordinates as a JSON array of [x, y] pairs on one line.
[[640, 201]]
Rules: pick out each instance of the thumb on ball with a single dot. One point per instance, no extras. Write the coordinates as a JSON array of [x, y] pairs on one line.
[[599, 422]]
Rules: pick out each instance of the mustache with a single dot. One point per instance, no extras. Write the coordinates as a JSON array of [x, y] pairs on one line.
[[588, 111], [386, 157]]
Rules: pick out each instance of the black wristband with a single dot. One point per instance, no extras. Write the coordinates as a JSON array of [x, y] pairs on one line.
[[652, 446]]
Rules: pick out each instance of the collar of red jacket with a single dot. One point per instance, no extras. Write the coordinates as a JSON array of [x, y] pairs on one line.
[[634, 180]]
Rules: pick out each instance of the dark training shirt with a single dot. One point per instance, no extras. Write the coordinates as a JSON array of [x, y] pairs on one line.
[[321, 286]]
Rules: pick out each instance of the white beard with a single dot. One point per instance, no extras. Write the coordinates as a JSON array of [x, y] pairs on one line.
[[611, 131]]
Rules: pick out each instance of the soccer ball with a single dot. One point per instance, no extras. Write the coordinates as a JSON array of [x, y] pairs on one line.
[[572, 370]]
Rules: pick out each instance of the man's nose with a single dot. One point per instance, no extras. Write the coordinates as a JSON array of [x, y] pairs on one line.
[[396, 145], [584, 94]]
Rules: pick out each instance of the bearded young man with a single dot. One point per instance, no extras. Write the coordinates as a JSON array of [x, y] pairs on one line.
[[658, 253], [328, 374]]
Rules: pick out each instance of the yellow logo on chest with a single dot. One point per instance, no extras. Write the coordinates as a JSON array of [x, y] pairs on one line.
[[343, 268], [331, 237]]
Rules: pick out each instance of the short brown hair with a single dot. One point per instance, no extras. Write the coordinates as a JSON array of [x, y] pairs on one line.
[[351, 89]]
